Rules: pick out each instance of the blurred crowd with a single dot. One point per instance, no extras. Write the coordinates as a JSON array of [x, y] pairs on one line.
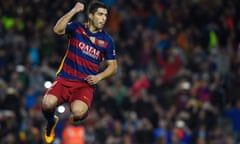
[[178, 80]]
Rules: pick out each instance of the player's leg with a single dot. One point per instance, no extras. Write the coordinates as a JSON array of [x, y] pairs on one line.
[[79, 111], [80, 101], [49, 102]]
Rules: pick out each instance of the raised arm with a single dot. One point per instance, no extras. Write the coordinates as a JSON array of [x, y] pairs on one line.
[[61, 24]]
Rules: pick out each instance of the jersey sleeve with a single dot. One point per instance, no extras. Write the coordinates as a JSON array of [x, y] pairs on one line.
[[71, 26], [110, 51]]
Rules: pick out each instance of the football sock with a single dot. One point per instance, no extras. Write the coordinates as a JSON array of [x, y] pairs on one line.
[[49, 115]]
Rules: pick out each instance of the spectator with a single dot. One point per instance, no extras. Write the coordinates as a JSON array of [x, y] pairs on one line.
[[234, 114]]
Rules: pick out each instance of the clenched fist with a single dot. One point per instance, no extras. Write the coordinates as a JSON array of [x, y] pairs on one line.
[[78, 7]]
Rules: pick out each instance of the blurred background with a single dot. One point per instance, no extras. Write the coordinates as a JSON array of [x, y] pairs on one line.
[[178, 80]]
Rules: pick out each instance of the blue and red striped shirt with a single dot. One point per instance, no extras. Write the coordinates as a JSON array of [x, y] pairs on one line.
[[85, 52]]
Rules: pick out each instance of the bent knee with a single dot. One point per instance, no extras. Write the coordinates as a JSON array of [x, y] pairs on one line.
[[49, 102], [79, 113], [79, 109]]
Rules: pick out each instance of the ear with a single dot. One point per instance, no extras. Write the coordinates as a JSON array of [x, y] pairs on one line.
[[90, 15]]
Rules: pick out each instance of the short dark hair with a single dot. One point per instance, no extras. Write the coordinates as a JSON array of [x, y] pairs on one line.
[[94, 5]]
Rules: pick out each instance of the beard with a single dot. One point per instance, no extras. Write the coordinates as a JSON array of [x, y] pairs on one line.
[[97, 25]]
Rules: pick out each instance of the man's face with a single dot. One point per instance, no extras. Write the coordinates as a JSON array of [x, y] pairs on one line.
[[98, 19]]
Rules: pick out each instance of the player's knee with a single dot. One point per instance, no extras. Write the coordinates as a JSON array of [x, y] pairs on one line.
[[79, 113], [79, 109], [49, 103]]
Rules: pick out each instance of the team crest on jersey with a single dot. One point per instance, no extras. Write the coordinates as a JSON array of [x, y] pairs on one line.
[[98, 42], [94, 40], [102, 43]]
